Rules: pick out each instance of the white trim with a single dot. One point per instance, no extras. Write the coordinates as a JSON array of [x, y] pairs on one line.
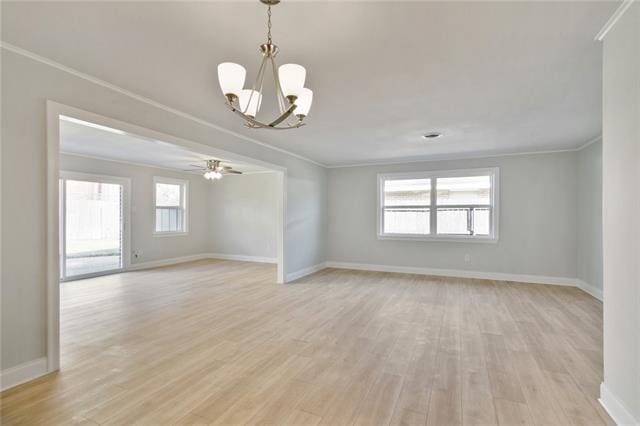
[[184, 204], [281, 236], [615, 408], [167, 262], [498, 276], [589, 143], [455, 157], [53, 236], [433, 175], [189, 258], [440, 238], [292, 276], [613, 20], [242, 258], [22, 373], [38, 58], [589, 288]]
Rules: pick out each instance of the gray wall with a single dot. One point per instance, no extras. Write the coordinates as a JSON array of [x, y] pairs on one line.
[[589, 217], [621, 196], [142, 209], [26, 86], [243, 215], [537, 219]]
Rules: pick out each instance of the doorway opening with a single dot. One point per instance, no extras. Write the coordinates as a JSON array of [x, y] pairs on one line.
[[113, 208]]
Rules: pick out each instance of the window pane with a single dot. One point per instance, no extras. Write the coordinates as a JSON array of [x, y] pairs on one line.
[[167, 194], [464, 190], [93, 232], [462, 221], [407, 192], [406, 220], [453, 221], [481, 221], [169, 219]]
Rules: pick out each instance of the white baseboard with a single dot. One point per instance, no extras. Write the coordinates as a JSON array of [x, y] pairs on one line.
[[22, 373], [191, 258], [242, 258], [292, 276], [499, 276], [166, 262], [615, 408], [588, 288]]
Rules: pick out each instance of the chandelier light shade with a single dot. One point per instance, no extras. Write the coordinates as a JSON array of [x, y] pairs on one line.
[[250, 101], [231, 77], [292, 78], [305, 97], [292, 98]]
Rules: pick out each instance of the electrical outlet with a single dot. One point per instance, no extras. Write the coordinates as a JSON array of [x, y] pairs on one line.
[[137, 254], [467, 258]]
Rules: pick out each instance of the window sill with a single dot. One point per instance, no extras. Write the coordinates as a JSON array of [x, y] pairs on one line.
[[170, 234], [438, 238]]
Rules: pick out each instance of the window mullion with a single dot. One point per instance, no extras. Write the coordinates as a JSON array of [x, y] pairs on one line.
[[432, 208]]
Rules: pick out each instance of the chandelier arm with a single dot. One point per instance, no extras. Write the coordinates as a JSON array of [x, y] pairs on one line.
[[253, 123], [259, 77], [263, 71], [279, 94], [284, 116]]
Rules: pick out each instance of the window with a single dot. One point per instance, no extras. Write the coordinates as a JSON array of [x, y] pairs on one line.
[[170, 200], [443, 205]]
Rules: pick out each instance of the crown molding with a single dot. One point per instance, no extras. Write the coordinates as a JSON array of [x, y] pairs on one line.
[[589, 143], [454, 157], [38, 58], [626, 4]]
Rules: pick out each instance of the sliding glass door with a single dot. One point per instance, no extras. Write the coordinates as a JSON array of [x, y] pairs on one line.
[[92, 225]]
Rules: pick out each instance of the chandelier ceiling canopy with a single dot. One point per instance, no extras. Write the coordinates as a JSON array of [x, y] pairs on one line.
[[293, 99]]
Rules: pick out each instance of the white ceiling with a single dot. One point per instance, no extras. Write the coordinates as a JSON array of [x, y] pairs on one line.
[[79, 139], [494, 77]]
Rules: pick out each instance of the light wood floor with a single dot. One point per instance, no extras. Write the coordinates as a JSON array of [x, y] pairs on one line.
[[220, 342]]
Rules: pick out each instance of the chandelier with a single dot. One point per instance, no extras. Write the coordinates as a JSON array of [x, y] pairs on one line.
[[294, 100]]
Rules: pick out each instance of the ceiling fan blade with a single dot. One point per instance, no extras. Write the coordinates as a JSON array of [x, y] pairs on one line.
[[199, 169], [232, 172]]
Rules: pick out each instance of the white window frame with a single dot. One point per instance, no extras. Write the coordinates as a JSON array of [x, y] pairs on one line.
[[493, 172], [184, 201]]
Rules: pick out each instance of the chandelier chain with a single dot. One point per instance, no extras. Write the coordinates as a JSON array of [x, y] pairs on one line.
[[269, 24]]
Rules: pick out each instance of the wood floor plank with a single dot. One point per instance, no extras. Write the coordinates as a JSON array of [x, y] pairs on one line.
[[219, 342]]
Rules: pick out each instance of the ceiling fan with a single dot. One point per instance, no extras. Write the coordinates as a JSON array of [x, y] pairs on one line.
[[214, 170]]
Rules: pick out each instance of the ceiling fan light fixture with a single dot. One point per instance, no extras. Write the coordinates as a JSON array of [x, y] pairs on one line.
[[212, 175]]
